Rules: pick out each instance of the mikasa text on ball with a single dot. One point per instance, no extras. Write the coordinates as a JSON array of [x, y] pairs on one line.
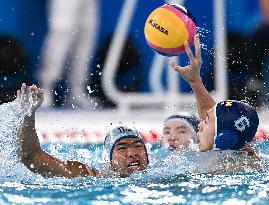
[[168, 27]]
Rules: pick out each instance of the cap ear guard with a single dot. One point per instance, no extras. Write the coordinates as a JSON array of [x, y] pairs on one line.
[[236, 123], [226, 140]]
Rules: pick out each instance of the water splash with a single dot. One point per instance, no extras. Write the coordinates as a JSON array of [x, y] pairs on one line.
[[89, 89], [203, 34], [11, 117]]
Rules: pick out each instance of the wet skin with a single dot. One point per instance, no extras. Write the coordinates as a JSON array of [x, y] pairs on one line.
[[177, 134], [207, 131], [129, 155]]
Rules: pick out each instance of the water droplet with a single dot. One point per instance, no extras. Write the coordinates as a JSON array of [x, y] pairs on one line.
[[89, 89]]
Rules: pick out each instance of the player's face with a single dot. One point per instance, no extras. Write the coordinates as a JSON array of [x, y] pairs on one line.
[[129, 155], [177, 134], [207, 131]]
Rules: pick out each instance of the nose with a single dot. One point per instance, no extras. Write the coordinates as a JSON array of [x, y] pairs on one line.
[[173, 139], [132, 152], [171, 136]]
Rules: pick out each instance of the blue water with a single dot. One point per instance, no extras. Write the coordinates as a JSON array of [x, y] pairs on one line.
[[181, 178], [161, 184]]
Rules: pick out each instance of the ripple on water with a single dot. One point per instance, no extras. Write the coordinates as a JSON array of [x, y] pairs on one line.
[[174, 178]]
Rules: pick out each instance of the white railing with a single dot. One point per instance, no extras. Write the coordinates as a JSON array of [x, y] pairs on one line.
[[158, 95]]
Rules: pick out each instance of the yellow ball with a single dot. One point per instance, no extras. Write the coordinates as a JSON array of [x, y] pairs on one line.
[[168, 27]]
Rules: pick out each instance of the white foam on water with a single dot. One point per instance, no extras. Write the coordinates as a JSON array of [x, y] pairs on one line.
[[11, 116]]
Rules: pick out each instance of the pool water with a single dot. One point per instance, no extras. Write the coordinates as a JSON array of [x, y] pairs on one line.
[[165, 182], [172, 178]]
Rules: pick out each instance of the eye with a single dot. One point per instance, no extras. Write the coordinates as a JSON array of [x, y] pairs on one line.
[[121, 148], [206, 119], [139, 145], [166, 132]]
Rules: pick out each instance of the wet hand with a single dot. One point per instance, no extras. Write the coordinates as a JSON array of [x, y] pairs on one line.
[[30, 96], [191, 72], [251, 151]]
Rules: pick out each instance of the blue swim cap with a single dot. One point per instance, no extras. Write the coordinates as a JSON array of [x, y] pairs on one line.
[[115, 135], [236, 124], [192, 120]]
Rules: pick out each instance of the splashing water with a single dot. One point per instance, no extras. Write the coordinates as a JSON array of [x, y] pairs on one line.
[[171, 178], [203, 34], [11, 116], [89, 89]]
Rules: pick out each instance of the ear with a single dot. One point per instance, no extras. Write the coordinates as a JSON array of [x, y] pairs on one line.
[[226, 140]]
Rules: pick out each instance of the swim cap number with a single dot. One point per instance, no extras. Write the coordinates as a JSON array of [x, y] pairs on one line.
[[241, 123]]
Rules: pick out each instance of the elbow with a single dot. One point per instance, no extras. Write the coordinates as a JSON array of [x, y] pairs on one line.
[[27, 159], [28, 152]]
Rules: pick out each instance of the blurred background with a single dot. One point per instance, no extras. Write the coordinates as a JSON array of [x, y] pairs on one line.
[[92, 59]]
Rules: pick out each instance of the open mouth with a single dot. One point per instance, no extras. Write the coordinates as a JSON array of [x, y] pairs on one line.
[[172, 147], [173, 140], [134, 165]]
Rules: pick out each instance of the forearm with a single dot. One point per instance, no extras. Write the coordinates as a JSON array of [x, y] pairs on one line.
[[40, 162], [30, 152], [47, 165], [203, 99], [29, 142]]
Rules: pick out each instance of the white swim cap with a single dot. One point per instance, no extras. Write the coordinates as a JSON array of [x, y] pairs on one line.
[[115, 135]]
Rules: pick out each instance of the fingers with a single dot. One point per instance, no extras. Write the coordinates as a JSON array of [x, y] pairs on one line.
[[40, 90], [197, 46], [188, 51], [18, 94], [175, 66], [23, 88], [36, 90], [33, 88]]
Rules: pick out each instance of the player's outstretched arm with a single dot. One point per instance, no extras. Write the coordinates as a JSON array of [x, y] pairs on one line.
[[31, 154], [191, 74]]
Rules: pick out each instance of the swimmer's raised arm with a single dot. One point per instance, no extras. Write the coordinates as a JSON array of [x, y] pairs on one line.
[[191, 74], [31, 154]]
